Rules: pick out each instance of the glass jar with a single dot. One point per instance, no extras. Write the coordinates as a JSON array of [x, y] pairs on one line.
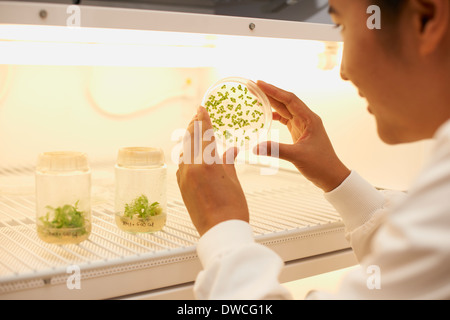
[[63, 197], [141, 182]]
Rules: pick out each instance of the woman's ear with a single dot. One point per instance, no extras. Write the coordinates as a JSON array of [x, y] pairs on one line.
[[432, 22]]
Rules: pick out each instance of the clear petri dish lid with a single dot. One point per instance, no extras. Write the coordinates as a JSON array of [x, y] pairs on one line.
[[240, 112]]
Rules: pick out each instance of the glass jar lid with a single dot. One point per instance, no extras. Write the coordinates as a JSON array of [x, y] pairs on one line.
[[62, 161], [140, 157]]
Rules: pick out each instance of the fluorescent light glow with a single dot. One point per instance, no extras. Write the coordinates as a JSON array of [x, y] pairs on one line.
[[53, 45], [101, 35]]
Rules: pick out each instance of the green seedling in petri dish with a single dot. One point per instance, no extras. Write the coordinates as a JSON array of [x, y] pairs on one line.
[[141, 208], [231, 109], [63, 217]]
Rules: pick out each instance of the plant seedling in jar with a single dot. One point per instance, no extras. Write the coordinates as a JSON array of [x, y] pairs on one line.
[[64, 223], [141, 216]]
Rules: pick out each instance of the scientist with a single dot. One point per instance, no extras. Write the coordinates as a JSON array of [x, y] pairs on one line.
[[403, 70]]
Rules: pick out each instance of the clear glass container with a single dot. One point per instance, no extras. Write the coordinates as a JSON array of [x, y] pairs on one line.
[[63, 197], [141, 183]]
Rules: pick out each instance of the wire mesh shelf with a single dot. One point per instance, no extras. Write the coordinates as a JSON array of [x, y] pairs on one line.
[[281, 206]]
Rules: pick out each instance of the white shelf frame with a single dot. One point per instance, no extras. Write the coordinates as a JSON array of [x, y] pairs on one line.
[[28, 13]]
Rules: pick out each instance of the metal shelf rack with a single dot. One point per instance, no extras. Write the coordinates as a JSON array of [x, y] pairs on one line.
[[288, 214]]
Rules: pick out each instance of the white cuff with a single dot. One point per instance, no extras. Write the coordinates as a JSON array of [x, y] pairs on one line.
[[222, 238], [356, 200]]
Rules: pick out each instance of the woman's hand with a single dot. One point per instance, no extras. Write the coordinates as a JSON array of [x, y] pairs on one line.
[[312, 152], [209, 185]]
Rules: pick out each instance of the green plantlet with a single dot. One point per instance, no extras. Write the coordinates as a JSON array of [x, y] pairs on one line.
[[63, 217], [141, 208]]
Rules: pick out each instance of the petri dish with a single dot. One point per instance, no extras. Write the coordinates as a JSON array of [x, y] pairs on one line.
[[240, 113]]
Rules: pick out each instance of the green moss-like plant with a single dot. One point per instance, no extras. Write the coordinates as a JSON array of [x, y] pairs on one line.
[[141, 208], [63, 217]]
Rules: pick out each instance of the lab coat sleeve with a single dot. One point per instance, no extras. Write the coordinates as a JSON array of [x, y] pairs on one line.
[[401, 242], [406, 252], [235, 267], [363, 209]]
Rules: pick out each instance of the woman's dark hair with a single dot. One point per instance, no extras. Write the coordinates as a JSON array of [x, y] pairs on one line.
[[393, 5], [390, 16], [390, 9]]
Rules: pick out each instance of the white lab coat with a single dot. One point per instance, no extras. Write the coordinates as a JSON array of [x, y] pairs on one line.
[[403, 238]]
